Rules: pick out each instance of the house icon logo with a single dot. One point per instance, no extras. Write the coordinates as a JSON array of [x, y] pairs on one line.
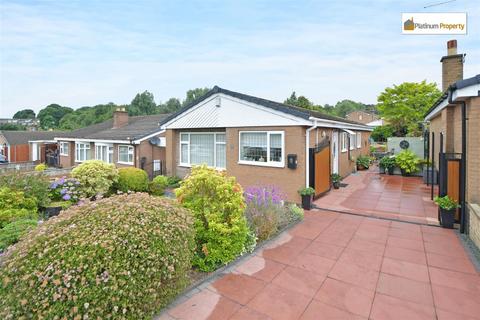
[[409, 25]]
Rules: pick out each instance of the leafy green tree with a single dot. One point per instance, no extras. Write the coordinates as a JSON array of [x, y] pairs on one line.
[[142, 104], [24, 114], [172, 105], [342, 108], [301, 102], [194, 94], [86, 116], [12, 127], [381, 133], [50, 115], [403, 106]]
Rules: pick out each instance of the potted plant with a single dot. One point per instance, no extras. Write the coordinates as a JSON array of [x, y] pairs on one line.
[[307, 196], [336, 178], [363, 162], [388, 163], [408, 162], [447, 207]]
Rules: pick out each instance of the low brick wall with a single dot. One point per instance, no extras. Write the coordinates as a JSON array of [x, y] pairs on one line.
[[474, 223]]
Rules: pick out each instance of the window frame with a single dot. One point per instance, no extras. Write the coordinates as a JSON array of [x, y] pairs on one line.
[[343, 141], [352, 141], [77, 151], [359, 140], [268, 163], [62, 148], [130, 147], [215, 143], [109, 147]]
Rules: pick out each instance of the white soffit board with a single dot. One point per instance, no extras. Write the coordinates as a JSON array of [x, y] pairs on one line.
[[232, 112]]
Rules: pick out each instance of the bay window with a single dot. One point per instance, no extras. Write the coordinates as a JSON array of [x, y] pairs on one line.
[[125, 154], [262, 148], [104, 152], [82, 151], [203, 148]]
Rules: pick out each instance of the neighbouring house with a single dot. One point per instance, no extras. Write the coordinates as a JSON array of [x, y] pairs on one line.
[[454, 134], [30, 124], [123, 140], [23, 146], [262, 142], [361, 117], [376, 123]]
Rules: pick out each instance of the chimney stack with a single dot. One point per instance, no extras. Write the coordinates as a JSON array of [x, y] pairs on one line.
[[120, 118], [452, 65]]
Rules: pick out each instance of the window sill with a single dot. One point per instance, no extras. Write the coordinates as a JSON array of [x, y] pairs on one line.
[[63, 155], [126, 163], [344, 150], [186, 165], [263, 164]]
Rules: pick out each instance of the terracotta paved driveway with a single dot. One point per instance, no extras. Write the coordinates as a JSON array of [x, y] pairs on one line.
[[394, 197], [341, 266]]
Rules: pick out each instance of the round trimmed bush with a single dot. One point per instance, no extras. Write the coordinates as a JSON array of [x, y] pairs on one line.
[[157, 185], [132, 179], [41, 167], [95, 177], [123, 257]]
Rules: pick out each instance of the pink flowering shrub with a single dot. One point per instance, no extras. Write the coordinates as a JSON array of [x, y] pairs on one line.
[[123, 257]]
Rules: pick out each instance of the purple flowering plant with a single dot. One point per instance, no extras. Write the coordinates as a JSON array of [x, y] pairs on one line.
[[65, 189]]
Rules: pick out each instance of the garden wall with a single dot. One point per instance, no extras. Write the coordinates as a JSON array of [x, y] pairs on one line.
[[416, 144]]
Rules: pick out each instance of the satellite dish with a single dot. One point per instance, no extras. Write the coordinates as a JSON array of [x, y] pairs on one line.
[[155, 141]]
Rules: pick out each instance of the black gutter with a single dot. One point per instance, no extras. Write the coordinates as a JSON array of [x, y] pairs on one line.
[[433, 163], [463, 166]]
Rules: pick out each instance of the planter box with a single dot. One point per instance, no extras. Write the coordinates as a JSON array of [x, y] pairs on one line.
[[447, 217], [307, 202], [427, 176]]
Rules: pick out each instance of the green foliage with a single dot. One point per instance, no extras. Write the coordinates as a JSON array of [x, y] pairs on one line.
[[13, 231], [33, 185], [14, 205], [50, 115], [24, 114], [172, 105], [174, 181], [12, 127], [306, 191], [123, 257], [363, 161], [446, 203], [382, 133], [194, 94], [95, 177], [404, 105], [218, 205], [132, 179], [41, 167], [407, 161], [336, 177], [142, 104], [158, 185], [301, 102], [86, 116], [387, 162]]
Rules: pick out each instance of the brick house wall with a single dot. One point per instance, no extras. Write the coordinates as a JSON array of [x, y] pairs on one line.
[[362, 117]]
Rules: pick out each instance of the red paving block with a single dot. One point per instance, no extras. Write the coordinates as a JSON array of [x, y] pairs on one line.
[[457, 301], [247, 313], [238, 287], [279, 303], [325, 250], [318, 310], [368, 246], [205, 305], [345, 296], [298, 280], [282, 254], [356, 275], [405, 269], [447, 315], [405, 234], [453, 279], [450, 263], [406, 243], [361, 258], [447, 248], [408, 255], [405, 289], [386, 307], [313, 263], [289, 240], [260, 268]]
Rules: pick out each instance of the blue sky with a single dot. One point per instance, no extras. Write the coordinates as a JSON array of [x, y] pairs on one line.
[[79, 53]]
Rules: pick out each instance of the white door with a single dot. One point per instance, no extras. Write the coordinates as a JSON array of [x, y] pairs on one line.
[[34, 151], [335, 151]]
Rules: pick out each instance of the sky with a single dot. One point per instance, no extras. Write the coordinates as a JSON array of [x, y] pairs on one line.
[[78, 53]]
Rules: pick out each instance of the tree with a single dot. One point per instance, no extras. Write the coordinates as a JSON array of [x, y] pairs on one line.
[[50, 115], [142, 104], [381, 133], [344, 107], [172, 105], [194, 94], [405, 105], [24, 114], [12, 127], [301, 102]]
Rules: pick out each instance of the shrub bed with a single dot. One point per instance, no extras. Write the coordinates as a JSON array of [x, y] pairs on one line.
[[34, 185], [221, 229], [96, 177], [132, 179], [158, 185], [13, 231], [122, 257], [14, 205]]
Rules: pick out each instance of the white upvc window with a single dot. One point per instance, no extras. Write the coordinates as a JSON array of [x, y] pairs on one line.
[[344, 141], [264, 148], [203, 148], [82, 151], [64, 148], [125, 154], [104, 152], [352, 140], [359, 140]]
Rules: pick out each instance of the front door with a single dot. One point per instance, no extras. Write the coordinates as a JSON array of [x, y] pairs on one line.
[[335, 152]]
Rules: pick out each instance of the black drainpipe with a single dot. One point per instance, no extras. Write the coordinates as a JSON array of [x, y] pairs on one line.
[[463, 166]]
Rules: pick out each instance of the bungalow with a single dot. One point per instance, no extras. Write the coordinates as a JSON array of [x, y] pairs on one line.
[[122, 140], [454, 135], [262, 142], [24, 146]]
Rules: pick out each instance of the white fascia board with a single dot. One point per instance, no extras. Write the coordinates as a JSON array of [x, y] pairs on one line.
[[459, 94], [42, 141], [149, 136], [93, 140], [437, 110], [340, 125]]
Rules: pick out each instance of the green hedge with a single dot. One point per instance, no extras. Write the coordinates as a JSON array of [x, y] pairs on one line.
[[12, 232], [158, 185], [14, 205], [123, 257], [95, 177], [132, 179]]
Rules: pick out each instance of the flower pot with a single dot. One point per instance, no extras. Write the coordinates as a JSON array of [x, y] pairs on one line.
[[52, 211], [447, 217], [391, 170], [381, 170], [336, 185], [307, 202], [360, 167], [427, 176], [404, 173]]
